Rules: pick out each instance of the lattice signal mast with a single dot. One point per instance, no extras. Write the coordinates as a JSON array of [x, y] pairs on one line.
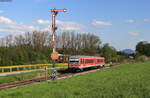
[[54, 13]]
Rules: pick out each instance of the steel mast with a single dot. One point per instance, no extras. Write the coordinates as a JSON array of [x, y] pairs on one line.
[[54, 13]]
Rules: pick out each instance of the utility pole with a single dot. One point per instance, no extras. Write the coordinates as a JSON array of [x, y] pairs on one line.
[[54, 54]]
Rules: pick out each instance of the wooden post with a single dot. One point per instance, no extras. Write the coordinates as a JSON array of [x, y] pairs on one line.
[[24, 68], [10, 69], [2, 70], [46, 73]]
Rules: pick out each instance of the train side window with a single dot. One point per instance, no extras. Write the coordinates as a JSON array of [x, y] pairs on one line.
[[99, 60], [80, 61], [103, 60]]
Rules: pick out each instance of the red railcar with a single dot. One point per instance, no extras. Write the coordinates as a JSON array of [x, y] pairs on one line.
[[81, 62]]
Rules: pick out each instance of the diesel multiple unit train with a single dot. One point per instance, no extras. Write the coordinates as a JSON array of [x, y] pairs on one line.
[[82, 62]]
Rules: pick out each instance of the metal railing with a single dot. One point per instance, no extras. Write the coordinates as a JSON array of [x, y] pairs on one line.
[[27, 67]]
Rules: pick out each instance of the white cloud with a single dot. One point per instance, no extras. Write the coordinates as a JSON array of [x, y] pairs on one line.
[[62, 25], [136, 21], [146, 20], [130, 21], [5, 30], [141, 40], [71, 26], [101, 23], [6, 20], [134, 33], [46, 22], [43, 22], [9, 26]]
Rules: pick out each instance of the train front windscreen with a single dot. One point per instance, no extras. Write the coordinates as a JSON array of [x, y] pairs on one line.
[[74, 61]]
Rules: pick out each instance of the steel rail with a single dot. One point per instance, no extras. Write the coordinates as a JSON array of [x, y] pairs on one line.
[[60, 76]]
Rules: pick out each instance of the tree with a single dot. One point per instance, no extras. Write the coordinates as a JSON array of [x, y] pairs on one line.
[[36, 46], [79, 43], [109, 53], [143, 48]]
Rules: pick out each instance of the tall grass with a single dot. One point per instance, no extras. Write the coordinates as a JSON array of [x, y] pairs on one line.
[[19, 77], [124, 81], [26, 75]]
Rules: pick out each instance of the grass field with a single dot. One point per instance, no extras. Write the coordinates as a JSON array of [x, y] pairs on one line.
[[20, 77], [25, 76], [125, 81]]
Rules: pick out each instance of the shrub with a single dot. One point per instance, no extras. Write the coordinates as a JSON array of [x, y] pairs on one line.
[[142, 58]]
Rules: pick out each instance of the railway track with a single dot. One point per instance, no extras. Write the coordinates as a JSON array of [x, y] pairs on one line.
[[59, 76]]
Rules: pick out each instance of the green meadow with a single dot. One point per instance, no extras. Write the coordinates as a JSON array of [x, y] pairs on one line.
[[25, 76], [123, 81]]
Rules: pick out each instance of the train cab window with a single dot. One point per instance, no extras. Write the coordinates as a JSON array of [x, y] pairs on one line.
[[74, 61]]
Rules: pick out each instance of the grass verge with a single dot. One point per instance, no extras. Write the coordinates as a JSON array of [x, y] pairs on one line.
[[25, 76], [125, 81]]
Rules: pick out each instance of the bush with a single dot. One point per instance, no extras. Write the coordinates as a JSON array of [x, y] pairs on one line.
[[39, 62], [142, 58]]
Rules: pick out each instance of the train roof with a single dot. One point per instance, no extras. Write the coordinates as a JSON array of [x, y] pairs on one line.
[[79, 56]]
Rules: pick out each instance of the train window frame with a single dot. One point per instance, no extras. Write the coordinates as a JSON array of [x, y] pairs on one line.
[[81, 61]]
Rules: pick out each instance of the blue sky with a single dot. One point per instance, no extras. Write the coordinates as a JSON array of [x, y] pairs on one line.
[[121, 23]]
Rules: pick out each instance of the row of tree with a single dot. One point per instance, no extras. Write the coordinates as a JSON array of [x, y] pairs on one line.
[[36, 47]]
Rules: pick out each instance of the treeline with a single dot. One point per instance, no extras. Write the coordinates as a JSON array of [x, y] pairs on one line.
[[35, 47], [29, 48]]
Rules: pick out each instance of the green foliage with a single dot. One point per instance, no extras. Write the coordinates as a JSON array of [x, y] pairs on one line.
[[143, 48], [120, 58], [124, 81], [35, 47], [16, 55], [78, 43], [142, 58], [27, 75], [21, 57], [19, 77], [109, 53]]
